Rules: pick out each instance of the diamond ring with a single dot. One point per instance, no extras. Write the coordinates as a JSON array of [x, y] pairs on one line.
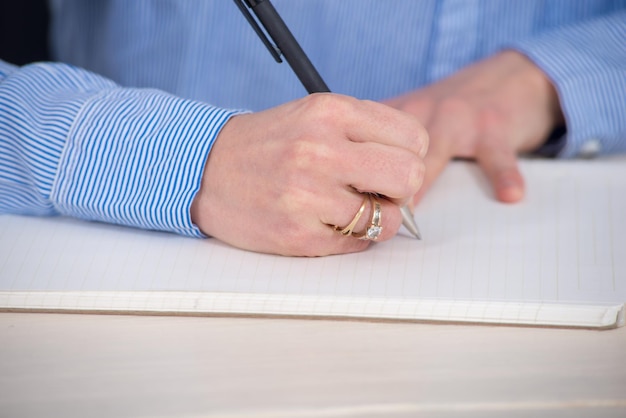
[[374, 229]]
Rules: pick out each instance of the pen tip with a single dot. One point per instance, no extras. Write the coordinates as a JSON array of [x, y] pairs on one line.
[[409, 222]]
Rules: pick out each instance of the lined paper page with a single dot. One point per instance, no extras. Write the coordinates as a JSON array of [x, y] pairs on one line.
[[564, 244]]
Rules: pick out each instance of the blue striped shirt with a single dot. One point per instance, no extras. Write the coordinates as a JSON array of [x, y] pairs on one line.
[[77, 144], [112, 148]]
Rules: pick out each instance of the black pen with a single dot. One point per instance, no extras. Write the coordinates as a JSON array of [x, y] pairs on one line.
[[286, 45]]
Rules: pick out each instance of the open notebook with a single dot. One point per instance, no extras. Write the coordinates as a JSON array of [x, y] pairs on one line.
[[558, 258]]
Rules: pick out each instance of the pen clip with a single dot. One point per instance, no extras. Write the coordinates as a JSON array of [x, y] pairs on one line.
[[274, 50]]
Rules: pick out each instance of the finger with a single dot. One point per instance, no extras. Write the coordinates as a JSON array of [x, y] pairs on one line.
[[385, 170], [368, 121], [434, 163], [358, 213], [499, 163], [390, 126], [441, 150]]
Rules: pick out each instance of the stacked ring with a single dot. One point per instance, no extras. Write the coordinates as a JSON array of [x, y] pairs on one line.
[[348, 229], [373, 230]]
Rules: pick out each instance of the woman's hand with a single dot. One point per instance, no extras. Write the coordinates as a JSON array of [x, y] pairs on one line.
[[489, 111], [277, 181]]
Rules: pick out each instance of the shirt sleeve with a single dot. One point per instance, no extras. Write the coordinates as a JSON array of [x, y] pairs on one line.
[[587, 64], [76, 144]]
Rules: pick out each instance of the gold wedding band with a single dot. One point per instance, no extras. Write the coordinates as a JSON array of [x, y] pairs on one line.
[[348, 229], [373, 230]]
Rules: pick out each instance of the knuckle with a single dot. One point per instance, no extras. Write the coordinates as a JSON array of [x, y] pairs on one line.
[[307, 153], [328, 107], [489, 118], [291, 202]]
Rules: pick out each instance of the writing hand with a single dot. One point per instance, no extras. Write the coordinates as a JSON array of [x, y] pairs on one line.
[[489, 111], [276, 180]]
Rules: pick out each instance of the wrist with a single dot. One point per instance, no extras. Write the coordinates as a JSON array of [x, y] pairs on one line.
[[550, 120]]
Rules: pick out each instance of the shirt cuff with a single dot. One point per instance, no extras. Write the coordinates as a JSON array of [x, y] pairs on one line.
[[586, 64], [135, 157]]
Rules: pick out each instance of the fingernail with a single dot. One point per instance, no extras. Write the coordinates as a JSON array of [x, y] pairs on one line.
[[510, 193]]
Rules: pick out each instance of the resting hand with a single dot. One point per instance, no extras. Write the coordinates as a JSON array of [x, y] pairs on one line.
[[277, 181], [489, 111]]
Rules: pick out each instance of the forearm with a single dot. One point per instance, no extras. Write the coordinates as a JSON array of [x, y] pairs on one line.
[[76, 144]]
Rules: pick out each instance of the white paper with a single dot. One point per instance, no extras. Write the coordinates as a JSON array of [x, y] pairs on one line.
[[556, 257]]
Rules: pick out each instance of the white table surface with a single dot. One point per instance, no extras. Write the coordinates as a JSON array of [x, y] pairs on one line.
[[55, 365]]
